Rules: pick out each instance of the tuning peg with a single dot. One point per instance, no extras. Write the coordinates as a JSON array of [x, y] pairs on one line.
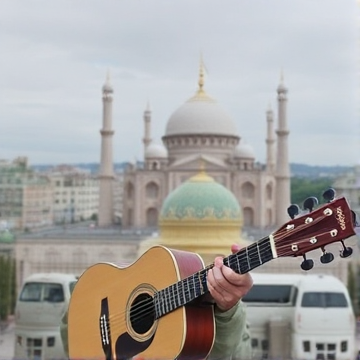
[[293, 210], [346, 251], [307, 264], [354, 218], [326, 257], [310, 202], [329, 194]]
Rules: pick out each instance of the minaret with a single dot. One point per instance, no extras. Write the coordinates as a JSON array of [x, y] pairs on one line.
[[106, 174], [270, 141], [282, 163], [147, 127]]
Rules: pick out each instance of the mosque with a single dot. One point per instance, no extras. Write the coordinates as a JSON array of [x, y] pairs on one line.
[[200, 134]]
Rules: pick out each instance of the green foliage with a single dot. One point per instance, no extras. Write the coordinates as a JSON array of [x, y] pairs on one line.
[[301, 188], [7, 286]]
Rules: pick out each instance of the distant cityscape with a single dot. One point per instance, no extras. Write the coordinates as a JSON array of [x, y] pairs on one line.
[[297, 170]]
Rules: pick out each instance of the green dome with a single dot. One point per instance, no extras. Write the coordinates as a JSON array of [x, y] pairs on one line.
[[6, 236], [201, 198]]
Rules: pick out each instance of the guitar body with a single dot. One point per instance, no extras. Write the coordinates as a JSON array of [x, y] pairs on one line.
[[101, 325]]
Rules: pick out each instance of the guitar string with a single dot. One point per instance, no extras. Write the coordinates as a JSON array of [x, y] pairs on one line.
[[147, 308], [144, 307]]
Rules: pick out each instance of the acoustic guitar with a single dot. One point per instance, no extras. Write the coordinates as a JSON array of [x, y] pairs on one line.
[[155, 309]]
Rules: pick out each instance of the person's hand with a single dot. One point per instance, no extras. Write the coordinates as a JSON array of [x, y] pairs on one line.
[[225, 285]]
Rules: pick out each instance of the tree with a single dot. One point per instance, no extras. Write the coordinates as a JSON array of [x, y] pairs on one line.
[[301, 188]]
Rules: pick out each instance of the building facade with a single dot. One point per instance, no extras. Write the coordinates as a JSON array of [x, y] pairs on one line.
[[201, 134], [75, 194], [25, 196]]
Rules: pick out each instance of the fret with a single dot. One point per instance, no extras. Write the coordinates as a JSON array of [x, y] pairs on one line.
[[183, 292], [187, 292], [174, 296], [194, 284], [204, 281], [168, 299], [178, 294], [247, 256], [162, 302], [258, 251]]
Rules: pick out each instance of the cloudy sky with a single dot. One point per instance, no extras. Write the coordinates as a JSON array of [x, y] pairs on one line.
[[55, 55]]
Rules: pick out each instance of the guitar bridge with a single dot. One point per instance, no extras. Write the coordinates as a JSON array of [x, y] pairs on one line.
[[105, 328]]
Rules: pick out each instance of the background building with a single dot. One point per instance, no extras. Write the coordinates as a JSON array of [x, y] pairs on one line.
[[201, 134], [75, 194], [25, 196]]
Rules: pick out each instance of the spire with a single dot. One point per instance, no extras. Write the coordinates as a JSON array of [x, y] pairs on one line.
[[201, 76], [281, 87], [107, 86]]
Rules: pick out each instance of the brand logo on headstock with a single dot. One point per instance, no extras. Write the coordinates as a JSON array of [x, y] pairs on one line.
[[340, 217]]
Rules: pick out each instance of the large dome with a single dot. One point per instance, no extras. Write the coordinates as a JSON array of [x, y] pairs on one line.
[[200, 115], [201, 198]]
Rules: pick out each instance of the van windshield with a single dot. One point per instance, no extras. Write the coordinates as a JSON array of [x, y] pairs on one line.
[[324, 300], [40, 292], [276, 294]]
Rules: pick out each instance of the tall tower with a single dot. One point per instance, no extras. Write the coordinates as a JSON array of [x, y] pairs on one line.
[[147, 127], [282, 173], [106, 175], [270, 141]]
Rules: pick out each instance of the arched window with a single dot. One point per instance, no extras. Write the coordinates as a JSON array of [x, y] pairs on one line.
[[130, 191], [152, 190], [151, 217], [248, 216], [269, 192], [269, 217], [248, 190]]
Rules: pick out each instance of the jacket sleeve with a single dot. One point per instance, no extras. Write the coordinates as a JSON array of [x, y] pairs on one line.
[[232, 339]]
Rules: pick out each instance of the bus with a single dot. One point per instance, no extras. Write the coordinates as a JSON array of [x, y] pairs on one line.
[[43, 300], [300, 317]]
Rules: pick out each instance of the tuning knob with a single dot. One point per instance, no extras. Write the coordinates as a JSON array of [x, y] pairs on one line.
[[346, 252], [329, 194], [307, 264], [326, 257], [293, 210], [310, 203]]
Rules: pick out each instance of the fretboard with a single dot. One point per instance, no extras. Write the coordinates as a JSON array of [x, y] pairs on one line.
[[194, 286]]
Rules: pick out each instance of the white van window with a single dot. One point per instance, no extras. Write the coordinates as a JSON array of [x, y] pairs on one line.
[[38, 292], [276, 294], [324, 300]]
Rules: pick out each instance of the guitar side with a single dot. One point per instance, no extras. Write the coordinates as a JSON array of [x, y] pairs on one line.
[[101, 325]]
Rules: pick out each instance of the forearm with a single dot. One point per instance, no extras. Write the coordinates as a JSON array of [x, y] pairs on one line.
[[232, 340]]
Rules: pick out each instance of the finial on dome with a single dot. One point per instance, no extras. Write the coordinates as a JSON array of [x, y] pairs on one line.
[[202, 166], [148, 107], [201, 76]]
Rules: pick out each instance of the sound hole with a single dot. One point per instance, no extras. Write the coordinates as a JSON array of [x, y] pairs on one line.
[[142, 313]]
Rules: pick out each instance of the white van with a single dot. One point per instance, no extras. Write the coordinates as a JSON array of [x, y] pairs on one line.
[[301, 317], [43, 300]]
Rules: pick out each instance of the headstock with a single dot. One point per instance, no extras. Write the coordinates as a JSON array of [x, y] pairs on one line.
[[314, 229]]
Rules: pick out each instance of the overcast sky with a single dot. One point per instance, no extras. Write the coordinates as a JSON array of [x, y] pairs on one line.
[[55, 55]]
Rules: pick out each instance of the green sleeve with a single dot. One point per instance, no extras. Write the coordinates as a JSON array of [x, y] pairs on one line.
[[232, 340]]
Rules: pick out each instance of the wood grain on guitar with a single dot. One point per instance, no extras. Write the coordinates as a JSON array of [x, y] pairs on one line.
[[155, 308]]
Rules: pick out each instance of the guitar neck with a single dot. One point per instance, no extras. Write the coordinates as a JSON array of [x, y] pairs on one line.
[[194, 286]]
